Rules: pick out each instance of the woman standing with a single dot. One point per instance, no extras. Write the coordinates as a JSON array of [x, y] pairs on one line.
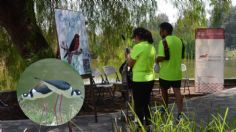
[[141, 59]]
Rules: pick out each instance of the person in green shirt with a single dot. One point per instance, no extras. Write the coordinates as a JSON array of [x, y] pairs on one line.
[[142, 59], [169, 58]]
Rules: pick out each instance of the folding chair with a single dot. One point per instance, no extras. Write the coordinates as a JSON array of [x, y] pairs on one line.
[[111, 77], [185, 78], [109, 71], [101, 86]]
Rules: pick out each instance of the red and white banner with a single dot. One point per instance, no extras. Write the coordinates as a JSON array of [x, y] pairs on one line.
[[209, 57]]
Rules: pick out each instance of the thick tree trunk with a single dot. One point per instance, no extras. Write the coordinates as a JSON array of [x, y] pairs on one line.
[[18, 18]]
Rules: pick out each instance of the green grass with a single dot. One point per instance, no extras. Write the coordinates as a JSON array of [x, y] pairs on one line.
[[167, 123], [229, 68], [34, 109], [230, 54]]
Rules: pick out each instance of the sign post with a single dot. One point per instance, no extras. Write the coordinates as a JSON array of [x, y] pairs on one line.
[[209, 57]]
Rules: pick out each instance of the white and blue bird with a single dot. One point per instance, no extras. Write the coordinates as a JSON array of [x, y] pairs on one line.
[[62, 88], [39, 91]]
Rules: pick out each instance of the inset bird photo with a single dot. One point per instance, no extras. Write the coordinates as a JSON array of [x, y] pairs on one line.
[[50, 92]]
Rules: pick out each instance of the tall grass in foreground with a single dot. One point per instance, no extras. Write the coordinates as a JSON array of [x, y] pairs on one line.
[[168, 123]]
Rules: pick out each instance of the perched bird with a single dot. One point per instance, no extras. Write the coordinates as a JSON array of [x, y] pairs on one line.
[[73, 49]]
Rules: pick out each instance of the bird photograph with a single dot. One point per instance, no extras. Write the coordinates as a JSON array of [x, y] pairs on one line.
[[39, 94], [74, 48], [50, 92]]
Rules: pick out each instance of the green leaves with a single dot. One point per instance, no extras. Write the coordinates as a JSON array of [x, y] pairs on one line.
[[107, 20], [192, 15], [220, 10]]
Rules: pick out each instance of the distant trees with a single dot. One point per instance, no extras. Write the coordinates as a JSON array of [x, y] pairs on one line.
[[107, 20], [229, 25], [192, 15], [220, 10], [223, 15]]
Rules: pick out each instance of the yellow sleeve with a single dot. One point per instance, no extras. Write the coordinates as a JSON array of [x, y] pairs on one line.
[[161, 51]]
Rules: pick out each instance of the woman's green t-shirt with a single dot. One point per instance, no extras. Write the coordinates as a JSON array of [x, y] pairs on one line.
[[144, 55]]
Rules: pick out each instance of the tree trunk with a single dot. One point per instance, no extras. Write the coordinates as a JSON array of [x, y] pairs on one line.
[[18, 18]]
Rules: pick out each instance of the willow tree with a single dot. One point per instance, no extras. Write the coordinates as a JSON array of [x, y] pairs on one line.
[[107, 20], [18, 18], [192, 15], [229, 25], [222, 15], [220, 10], [30, 27], [153, 26], [21, 40], [24, 21]]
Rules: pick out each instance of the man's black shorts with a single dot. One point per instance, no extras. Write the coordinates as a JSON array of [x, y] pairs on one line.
[[168, 84]]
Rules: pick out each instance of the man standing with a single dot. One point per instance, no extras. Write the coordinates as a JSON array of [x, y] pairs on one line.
[[170, 59]]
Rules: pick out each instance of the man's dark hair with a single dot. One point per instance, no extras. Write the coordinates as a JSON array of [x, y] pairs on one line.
[[166, 26], [143, 34]]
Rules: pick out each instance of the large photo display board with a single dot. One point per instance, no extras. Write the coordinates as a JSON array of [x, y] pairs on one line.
[[72, 39]]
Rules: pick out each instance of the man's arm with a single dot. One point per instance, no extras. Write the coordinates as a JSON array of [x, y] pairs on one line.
[[161, 53]]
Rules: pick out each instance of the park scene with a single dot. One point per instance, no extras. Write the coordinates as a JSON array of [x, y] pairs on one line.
[[118, 66]]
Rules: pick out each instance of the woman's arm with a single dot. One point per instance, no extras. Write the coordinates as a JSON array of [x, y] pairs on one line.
[[131, 61]]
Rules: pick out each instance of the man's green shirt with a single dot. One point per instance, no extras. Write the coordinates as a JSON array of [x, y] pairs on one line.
[[171, 69]]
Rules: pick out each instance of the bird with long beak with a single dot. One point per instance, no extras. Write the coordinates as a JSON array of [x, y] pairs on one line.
[[38, 92], [62, 88]]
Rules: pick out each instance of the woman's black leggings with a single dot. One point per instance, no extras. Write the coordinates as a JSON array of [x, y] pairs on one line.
[[142, 94]]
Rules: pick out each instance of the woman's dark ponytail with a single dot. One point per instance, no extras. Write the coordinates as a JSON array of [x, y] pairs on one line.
[[143, 34], [148, 37]]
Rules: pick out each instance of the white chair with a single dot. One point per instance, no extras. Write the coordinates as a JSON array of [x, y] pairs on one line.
[[185, 78], [109, 71], [100, 85], [111, 77]]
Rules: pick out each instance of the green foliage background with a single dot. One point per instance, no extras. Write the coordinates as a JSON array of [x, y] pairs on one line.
[[106, 21]]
